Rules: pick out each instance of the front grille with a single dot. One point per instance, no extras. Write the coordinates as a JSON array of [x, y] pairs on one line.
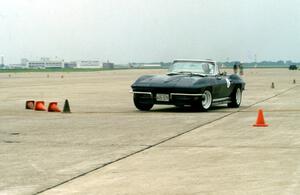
[[174, 99], [166, 90]]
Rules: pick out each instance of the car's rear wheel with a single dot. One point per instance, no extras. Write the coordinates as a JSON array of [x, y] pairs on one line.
[[141, 105], [236, 98], [205, 102]]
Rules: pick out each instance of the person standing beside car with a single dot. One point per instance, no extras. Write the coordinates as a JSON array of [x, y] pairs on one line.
[[241, 69], [235, 68]]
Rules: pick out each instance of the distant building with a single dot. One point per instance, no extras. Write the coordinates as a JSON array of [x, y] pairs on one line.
[[24, 61], [70, 64], [42, 63], [151, 65], [89, 64], [17, 66], [108, 65], [145, 65], [50, 63]]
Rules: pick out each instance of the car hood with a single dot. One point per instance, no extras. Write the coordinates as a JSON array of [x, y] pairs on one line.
[[176, 81]]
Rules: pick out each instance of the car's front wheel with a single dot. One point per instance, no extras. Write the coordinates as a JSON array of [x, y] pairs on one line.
[[205, 102], [142, 106], [236, 98]]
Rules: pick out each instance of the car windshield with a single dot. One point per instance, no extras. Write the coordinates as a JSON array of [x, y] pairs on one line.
[[202, 68]]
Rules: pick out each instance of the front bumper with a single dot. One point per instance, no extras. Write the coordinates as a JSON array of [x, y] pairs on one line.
[[174, 98]]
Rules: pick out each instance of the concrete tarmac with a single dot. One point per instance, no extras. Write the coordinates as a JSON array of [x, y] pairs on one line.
[[106, 146]]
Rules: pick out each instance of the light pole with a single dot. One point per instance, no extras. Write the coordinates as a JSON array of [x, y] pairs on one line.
[[2, 61]]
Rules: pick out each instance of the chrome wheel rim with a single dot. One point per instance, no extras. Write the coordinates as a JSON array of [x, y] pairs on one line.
[[207, 99], [238, 96]]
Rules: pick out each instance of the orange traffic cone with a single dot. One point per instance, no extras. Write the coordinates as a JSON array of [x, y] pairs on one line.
[[260, 121], [40, 106], [53, 107], [29, 104]]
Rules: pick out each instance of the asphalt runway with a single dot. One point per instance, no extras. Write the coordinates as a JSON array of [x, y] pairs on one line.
[[106, 146]]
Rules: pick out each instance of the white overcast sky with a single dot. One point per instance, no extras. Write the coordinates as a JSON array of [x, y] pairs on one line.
[[150, 30]]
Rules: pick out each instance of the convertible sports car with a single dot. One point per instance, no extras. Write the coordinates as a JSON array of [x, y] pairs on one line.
[[196, 83]]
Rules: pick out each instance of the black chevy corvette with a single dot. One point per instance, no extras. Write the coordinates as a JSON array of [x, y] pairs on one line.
[[196, 83]]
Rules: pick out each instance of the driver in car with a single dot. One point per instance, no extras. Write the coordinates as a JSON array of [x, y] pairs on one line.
[[206, 68]]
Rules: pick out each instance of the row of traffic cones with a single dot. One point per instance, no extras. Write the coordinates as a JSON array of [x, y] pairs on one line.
[[273, 84], [61, 76], [52, 107]]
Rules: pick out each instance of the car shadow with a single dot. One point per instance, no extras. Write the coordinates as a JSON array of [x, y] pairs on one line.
[[217, 108]]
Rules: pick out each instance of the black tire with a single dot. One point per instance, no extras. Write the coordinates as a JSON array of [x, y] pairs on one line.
[[142, 106], [235, 98], [204, 104]]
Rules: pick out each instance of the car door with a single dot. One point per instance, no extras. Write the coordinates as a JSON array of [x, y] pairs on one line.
[[222, 86]]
